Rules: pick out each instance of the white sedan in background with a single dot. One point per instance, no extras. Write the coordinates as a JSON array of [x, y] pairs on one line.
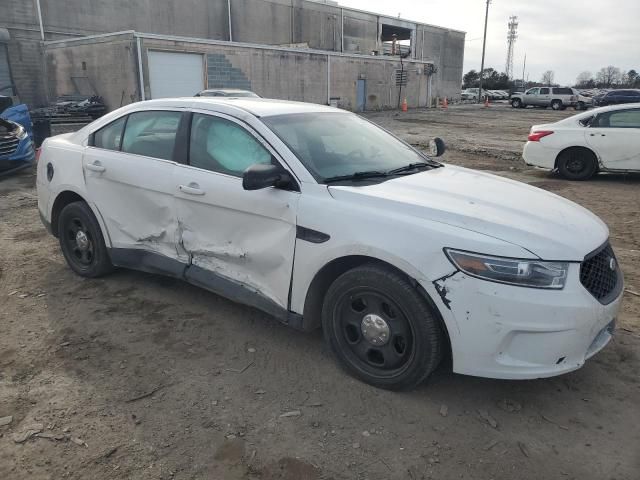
[[606, 139]]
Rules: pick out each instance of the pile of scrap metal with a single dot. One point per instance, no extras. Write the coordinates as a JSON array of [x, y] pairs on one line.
[[16, 133], [71, 107]]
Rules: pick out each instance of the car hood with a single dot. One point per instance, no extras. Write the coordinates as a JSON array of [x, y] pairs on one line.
[[549, 226]]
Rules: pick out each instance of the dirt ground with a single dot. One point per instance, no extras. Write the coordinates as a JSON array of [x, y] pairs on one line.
[[145, 377]]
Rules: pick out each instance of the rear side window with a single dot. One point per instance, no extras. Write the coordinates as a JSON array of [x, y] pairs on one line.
[[222, 146], [562, 91], [110, 136], [152, 134], [544, 91], [625, 119], [620, 119]]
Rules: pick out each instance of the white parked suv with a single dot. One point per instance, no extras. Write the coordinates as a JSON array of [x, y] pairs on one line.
[[320, 218], [558, 98]]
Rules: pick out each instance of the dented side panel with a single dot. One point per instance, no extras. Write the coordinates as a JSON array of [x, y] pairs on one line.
[[134, 195], [245, 236]]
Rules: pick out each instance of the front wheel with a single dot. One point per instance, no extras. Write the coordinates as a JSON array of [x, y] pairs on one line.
[[516, 103], [381, 329], [82, 242]]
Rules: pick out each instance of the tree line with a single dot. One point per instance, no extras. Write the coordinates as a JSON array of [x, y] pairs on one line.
[[606, 77], [609, 77]]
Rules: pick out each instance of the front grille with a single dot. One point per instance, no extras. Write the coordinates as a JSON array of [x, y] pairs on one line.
[[598, 276], [8, 144]]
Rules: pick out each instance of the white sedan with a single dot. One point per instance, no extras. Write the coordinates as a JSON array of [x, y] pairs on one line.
[[323, 219], [606, 139]]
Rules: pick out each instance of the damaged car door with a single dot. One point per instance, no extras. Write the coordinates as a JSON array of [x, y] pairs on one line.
[[129, 169], [239, 243]]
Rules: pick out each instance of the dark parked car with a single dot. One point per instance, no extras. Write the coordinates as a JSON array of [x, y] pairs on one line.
[[615, 97]]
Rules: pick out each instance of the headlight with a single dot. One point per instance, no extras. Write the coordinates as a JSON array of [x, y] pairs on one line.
[[21, 133], [512, 271]]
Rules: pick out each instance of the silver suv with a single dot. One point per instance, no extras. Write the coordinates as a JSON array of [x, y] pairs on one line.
[[557, 98]]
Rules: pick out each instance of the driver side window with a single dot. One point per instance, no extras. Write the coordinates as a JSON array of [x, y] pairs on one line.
[[222, 146]]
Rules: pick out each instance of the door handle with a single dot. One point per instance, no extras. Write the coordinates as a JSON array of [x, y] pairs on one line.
[[191, 189], [95, 167]]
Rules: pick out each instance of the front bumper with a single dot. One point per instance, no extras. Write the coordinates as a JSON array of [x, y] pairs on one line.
[[23, 157], [503, 331]]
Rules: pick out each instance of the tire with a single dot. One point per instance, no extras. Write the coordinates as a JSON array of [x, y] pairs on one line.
[[381, 329], [82, 242], [556, 105], [516, 103], [577, 164], [581, 106]]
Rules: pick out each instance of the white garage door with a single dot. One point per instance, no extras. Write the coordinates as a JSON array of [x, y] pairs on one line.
[[175, 74]]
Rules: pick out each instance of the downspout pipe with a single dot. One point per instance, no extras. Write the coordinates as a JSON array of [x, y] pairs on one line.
[[40, 19], [342, 29], [140, 73], [229, 19], [328, 79]]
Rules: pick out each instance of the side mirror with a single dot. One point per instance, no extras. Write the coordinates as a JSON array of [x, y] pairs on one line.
[[264, 175], [436, 147]]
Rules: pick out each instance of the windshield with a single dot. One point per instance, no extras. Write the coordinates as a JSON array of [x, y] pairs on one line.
[[223, 93], [242, 94], [332, 145]]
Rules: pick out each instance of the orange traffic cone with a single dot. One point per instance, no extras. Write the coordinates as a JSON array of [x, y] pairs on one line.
[[445, 103], [486, 102], [405, 107]]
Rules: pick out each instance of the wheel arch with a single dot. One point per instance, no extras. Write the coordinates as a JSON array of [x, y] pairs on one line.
[[64, 198], [323, 279], [577, 147]]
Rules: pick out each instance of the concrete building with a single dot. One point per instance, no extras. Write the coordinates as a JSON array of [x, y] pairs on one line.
[[295, 49]]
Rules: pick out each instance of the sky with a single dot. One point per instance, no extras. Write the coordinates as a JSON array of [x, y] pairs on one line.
[[566, 36]]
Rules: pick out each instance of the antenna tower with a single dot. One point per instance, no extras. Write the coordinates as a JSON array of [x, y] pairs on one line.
[[512, 35]]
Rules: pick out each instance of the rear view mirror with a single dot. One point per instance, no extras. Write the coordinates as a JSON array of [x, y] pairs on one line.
[[436, 147], [264, 175]]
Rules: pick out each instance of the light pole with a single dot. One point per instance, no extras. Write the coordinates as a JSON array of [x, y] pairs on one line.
[[484, 45]]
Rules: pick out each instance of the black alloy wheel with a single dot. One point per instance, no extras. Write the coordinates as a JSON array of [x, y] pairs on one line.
[[381, 328], [82, 242]]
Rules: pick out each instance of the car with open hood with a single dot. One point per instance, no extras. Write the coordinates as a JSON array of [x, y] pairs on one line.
[[323, 219], [16, 138]]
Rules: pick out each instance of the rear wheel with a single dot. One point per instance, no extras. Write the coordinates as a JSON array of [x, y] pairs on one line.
[[82, 242], [577, 164], [381, 329], [556, 105]]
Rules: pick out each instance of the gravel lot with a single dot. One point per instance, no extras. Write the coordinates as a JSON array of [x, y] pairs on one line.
[[140, 376]]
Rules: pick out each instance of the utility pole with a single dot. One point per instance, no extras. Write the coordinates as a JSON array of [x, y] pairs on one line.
[[484, 45]]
